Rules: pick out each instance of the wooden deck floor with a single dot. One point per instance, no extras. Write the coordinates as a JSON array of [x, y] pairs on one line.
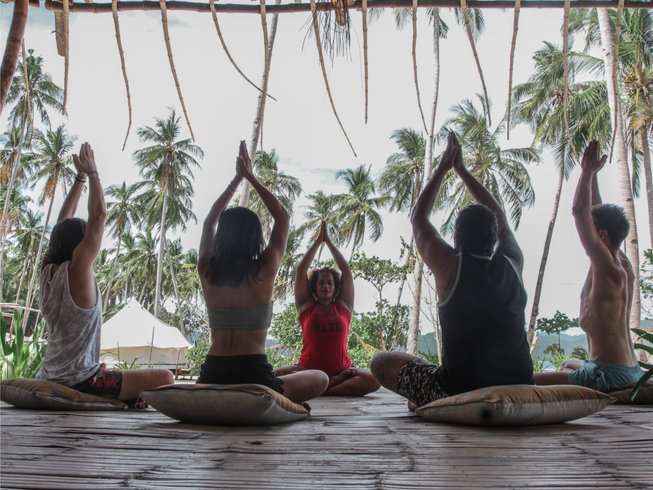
[[370, 443]]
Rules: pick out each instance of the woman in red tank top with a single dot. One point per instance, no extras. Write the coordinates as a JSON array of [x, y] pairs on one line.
[[324, 302]]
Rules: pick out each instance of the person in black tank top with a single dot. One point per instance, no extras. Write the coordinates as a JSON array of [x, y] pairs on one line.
[[481, 298]]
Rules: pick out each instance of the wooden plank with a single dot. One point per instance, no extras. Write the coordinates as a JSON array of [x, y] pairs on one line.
[[366, 443]]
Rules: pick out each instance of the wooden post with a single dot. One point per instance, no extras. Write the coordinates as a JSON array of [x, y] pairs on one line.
[[12, 49]]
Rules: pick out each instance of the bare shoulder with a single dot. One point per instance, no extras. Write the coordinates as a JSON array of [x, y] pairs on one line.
[[447, 276]]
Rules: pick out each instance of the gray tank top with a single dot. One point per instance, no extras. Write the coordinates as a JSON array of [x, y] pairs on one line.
[[73, 350]]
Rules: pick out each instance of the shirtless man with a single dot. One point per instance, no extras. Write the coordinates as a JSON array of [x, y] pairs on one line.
[[608, 291], [481, 298], [71, 302]]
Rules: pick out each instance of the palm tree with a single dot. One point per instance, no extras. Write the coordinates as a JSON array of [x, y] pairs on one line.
[[31, 94], [402, 181], [285, 187], [284, 283], [357, 210], [598, 28], [31, 90], [539, 103], [322, 208], [502, 172], [636, 58], [52, 162], [28, 231], [141, 263], [166, 166], [121, 213]]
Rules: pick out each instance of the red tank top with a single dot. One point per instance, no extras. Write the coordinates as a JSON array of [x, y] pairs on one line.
[[325, 332]]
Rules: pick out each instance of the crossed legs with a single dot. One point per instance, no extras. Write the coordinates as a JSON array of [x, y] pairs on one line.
[[348, 382]]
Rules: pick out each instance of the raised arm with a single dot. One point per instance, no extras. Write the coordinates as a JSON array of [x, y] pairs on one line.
[[303, 298], [346, 293], [507, 243], [273, 253], [69, 206], [211, 221], [85, 253], [598, 253], [437, 254]]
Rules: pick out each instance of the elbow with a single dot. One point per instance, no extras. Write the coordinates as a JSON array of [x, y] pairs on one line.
[[100, 214], [579, 210]]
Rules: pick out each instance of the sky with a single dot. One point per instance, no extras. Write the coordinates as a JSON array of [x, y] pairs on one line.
[[300, 125]]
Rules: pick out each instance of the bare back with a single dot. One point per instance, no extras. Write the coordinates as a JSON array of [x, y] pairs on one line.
[[255, 293], [605, 313]]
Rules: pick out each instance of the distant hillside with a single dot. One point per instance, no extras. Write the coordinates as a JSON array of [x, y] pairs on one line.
[[426, 343]]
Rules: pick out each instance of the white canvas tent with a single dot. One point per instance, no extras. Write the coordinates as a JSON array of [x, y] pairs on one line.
[[134, 334]]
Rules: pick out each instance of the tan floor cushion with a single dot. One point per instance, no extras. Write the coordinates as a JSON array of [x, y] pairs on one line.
[[40, 394], [245, 404], [516, 405]]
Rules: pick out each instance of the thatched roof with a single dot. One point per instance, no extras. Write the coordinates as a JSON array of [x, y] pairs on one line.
[[330, 26]]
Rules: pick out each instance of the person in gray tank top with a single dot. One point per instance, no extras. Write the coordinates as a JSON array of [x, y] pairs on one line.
[[480, 293], [71, 302]]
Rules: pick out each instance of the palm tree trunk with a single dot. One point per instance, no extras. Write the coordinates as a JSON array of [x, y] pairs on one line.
[[620, 155], [30, 289], [260, 108], [113, 272], [159, 262], [5, 209], [173, 277], [400, 290], [24, 269], [535, 310], [12, 48], [646, 151], [413, 328]]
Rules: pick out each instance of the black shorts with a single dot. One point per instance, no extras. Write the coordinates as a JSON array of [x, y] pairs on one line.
[[231, 370], [420, 382], [104, 382]]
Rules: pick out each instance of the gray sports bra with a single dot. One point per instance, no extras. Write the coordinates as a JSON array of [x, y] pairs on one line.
[[249, 318]]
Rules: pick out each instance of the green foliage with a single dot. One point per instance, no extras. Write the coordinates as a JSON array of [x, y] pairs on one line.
[[278, 358], [429, 356], [196, 354], [128, 366], [383, 329], [538, 364], [557, 355], [556, 325], [190, 318], [285, 328], [361, 356], [580, 353], [378, 272], [647, 347], [20, 358]]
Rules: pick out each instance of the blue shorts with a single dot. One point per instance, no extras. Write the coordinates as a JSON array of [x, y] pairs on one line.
[[604, 376]]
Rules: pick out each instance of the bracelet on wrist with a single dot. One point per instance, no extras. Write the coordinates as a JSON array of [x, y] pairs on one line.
[[79, 179]]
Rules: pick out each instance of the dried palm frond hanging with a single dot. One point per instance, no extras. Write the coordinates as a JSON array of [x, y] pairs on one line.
[[414, 53], [116, 24], [615, 64], [66, 35], [166, 36], [565, 72], [316, 31], [513, 44], [472, 43], [333, 21], [365, 67], [214, 14]]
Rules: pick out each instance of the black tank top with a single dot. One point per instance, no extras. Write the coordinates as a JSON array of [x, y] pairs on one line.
[[483, 336]]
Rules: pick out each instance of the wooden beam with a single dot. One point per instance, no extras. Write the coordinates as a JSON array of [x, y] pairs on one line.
[[99, 8]]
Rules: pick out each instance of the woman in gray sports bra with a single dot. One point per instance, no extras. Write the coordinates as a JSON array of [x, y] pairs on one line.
[[237, 272]]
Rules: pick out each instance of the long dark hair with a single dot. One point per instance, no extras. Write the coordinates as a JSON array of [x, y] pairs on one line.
[[237, 248], [65, 236]]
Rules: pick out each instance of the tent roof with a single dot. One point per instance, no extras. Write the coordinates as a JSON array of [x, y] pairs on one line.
[[134, 326]]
